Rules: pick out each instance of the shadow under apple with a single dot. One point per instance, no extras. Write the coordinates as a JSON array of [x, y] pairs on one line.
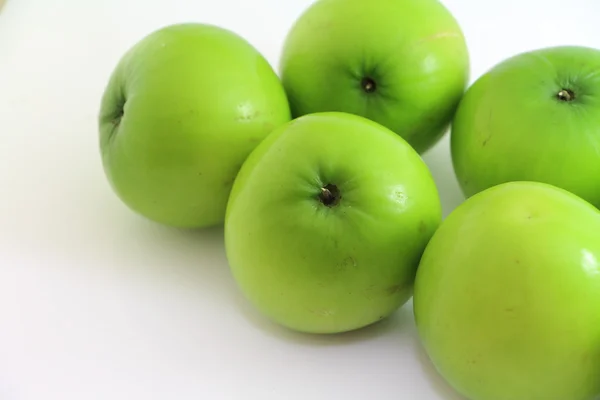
[[197, 259], [396, 324], [189, 261]]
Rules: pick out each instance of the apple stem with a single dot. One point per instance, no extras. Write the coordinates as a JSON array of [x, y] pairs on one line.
[[566, 95], [330, 195], [368, 85]]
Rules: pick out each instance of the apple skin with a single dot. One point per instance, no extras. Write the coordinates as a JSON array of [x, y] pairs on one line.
[[329, 269], [507, 295], [511, 126], [414, 52], [180, 113]]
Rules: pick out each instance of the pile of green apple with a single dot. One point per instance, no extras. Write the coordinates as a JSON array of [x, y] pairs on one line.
[[332, 220]]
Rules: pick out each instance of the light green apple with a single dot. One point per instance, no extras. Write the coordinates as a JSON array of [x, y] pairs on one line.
[[326, 223], [180, 113], [401, 63], [534, 116], [507, 295]]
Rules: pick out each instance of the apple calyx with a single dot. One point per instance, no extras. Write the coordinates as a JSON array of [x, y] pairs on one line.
[[368, 84], [566, 95], [330, 195]]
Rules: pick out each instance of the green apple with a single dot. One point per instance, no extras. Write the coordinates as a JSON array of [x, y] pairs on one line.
[[401, 63], [327, 221], [535, 117], [181, 111], [507, 295]]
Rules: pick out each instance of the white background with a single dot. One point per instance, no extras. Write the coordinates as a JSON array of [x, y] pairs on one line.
[[97, 303]]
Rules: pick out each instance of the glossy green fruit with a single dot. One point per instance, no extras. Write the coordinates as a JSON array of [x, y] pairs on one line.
[[401, 63], [507, 295], [327, 221], [535, 117], [181, 112]]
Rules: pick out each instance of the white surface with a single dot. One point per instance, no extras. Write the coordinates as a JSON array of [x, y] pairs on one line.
[[97, 303]]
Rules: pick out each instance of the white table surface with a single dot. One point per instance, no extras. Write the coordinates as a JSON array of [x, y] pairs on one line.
[[98, 303]]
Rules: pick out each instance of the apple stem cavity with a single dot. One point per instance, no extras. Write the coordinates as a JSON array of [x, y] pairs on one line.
[[566, 95], [117, 120], [368, 85], [330, 195], [118, 115]]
